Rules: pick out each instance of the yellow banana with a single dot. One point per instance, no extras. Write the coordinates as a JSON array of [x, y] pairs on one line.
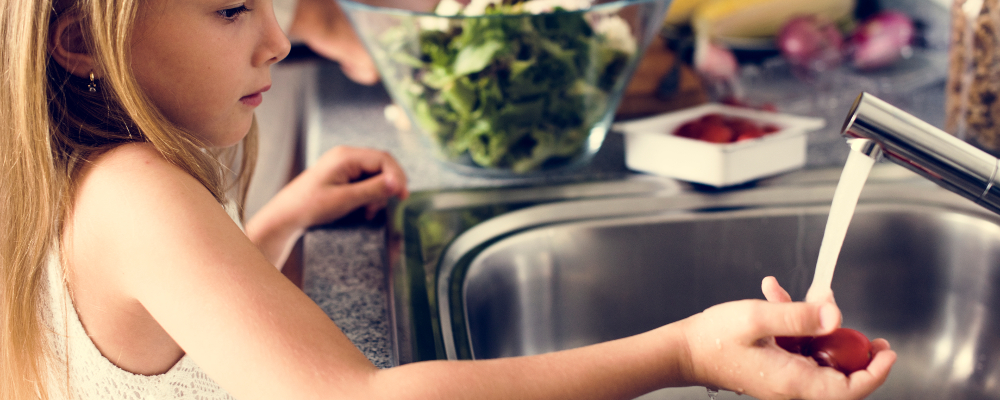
[[760, 18], [680, 10]]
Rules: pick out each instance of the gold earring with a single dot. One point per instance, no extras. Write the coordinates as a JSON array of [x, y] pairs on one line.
[[92, 86]]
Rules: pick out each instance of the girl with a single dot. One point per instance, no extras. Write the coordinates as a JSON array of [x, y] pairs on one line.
[[124, 277]]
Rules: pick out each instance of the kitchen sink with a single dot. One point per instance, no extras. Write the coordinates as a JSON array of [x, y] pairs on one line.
[[503, 273]]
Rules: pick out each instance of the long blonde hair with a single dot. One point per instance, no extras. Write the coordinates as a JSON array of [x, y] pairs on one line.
[[50, 122]]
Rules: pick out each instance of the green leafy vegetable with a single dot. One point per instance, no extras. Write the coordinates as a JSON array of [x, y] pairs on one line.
[[509, 93]]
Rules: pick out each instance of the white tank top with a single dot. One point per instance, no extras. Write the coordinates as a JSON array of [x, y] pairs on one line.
[[79, 371]]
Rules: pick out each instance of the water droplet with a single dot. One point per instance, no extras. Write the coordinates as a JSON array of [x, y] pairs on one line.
[[718, 343], [761, 374]]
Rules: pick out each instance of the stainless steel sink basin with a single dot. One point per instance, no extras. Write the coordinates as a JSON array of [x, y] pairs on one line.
[[919, 267]]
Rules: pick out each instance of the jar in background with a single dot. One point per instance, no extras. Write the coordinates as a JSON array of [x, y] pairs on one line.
[[973, 91]]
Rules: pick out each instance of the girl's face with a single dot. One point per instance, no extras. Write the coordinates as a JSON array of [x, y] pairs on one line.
[[205, 63]]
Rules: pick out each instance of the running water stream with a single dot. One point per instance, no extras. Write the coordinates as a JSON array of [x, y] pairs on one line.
[[845, 199]]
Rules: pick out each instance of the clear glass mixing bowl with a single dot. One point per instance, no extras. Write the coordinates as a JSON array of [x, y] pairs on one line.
[[501, 94]]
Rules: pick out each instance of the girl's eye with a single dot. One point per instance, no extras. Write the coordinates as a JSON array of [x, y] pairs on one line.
[[232, 13]]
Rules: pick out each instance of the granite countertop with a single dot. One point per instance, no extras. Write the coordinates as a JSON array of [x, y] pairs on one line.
[[343, 266]]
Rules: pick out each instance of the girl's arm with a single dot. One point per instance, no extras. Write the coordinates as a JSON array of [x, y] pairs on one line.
[[343, 180], [167, 244]]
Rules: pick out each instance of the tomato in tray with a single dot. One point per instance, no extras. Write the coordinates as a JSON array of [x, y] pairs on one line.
[[716, 134], [845, 350], [718, 128]]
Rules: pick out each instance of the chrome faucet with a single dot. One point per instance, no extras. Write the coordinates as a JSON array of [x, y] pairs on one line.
[[879, 129]]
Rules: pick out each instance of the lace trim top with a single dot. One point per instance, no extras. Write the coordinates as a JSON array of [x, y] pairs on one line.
[[79, 371]]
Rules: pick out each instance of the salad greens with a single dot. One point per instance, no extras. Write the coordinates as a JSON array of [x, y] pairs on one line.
[[512, 93]]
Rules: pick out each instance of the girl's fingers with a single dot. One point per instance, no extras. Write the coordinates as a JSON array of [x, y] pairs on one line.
[[879, 345], [348, 164], [337, 201], [793, 319], [395, 183], [773, 291], [867, 380], [372, 209], [819, 295], [826, 383], [346, 178], [882, 362], [882, 359]]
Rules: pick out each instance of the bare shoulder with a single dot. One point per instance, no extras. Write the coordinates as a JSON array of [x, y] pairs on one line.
[[131, 198], [131, 202], [135, 177], [132, 163], [131, 152]]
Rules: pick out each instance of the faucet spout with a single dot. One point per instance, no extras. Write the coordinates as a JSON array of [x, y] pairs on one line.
[[867, 147], [876, 127]]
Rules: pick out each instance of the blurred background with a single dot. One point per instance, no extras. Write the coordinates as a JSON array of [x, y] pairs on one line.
[[328, 91]]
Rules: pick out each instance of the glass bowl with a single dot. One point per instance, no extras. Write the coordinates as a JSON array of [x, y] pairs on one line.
[[508, 94]]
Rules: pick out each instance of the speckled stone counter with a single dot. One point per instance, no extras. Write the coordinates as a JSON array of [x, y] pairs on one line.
[[343, 267], [343, 274]]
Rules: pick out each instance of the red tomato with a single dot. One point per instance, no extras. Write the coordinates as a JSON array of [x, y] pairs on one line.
[[749, 132], [743, 125], [717, 134], [718, 128], [689, 130], [846, 350], [713, 119]]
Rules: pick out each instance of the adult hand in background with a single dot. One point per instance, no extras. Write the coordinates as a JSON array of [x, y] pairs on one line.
[[324, 27]]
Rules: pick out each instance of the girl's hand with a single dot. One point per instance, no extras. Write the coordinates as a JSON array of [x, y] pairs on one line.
[[731, 346], [343, 180]]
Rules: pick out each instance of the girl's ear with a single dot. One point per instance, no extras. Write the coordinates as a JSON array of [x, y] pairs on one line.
[[68, 47]]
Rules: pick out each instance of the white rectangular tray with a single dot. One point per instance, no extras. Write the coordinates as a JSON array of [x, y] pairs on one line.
[[650, 146]]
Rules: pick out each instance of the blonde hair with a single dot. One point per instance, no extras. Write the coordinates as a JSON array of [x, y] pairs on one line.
[[49, 123]]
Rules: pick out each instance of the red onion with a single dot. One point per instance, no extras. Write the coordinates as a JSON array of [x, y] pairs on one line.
[[811, 43], [881, 40]]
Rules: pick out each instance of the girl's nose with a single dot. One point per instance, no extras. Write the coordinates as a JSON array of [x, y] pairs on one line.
[[274, 45]]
